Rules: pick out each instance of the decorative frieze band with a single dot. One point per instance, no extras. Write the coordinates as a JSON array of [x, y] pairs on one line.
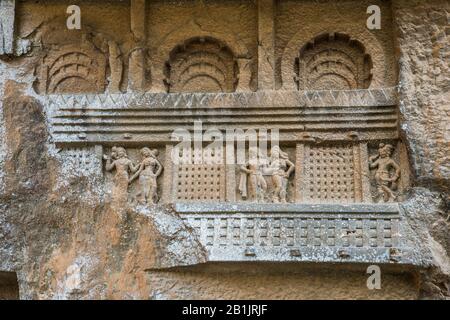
[[317, 98]]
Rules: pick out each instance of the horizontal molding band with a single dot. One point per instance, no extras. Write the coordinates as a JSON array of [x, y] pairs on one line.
[[126, 138], [81, 114], [289, 120], [295, 208]]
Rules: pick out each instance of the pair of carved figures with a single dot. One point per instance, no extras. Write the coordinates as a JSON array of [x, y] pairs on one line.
[[147, 172], [387, 173], [253, 185]]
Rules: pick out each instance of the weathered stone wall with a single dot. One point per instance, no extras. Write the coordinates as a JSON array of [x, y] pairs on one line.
[[423, 37], [422, 29], [59, 232], [275, 281]]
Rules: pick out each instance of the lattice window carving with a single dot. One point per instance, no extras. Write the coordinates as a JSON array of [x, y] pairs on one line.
[[329, 174], [200, 179], [81, 161]]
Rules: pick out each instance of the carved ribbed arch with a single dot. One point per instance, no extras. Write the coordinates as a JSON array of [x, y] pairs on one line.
[[201, 64], [333, 61], [73, 67]]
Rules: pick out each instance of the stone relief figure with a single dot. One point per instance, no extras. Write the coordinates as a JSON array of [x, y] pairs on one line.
[[252, 184], [280, 168], [120, 162], [387, 174], [148, 171]]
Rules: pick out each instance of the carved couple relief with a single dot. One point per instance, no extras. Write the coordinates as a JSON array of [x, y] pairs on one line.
[[146, 173], [253, 185]]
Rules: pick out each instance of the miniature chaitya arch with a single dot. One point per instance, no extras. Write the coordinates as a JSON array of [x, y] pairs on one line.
[[201, 64], [333, 61]]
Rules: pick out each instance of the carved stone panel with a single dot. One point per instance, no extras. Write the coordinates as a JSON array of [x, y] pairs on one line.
[[332, 185], [386, 170], [200, 182], [267, 232], [82, 161], [266, 179], [329, 174], [333, 173]]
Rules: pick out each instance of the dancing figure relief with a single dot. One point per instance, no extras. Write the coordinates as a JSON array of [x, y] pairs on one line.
[[387, 173], [280, 169], [253, 185], [123, 165], [149, 170]]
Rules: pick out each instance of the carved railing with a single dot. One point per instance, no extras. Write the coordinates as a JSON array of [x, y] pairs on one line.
[[300, 232]]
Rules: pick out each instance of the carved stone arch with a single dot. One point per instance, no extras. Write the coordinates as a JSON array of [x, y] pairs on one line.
[[201, 64], [322, 58], [162, 51], [204, 58], [356, 38], [74, 62], [77, 61], [333, 61], [79, 68], [199, 69]]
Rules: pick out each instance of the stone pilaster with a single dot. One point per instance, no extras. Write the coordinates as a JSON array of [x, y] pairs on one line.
[[136, 73], [266, 45]]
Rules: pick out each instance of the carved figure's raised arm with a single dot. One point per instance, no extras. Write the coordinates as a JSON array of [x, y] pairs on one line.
[[291, 167], [137, 172], [373, 162], [132, 167], [244, 169], [109, 166]]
